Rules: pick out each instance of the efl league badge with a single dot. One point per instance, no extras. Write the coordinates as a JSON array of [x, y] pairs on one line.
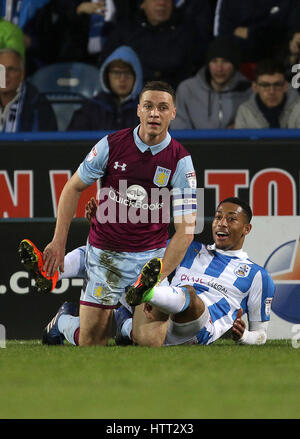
[[161, 176], [242, 270], [92, 154]]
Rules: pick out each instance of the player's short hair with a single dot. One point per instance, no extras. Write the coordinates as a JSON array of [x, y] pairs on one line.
[[159, 86], [269, 67], [245, 206]]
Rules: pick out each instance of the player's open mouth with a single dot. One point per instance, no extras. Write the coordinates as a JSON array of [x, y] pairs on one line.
[[222, 235]]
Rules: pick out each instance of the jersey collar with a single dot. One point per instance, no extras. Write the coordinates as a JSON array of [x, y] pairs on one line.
[[232, 253], [155, 149]]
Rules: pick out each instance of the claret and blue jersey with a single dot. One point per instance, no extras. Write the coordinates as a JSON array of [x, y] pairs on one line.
[[123, 157]]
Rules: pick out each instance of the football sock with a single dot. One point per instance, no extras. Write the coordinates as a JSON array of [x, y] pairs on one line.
[[68, 325], [171, 300], [74, 264]]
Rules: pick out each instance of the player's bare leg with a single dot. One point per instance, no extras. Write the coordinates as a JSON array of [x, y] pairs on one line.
[[96, 325], [149, 328]]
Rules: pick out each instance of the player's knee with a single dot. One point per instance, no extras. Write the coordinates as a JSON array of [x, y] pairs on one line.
[[193, 297], [195, 308], [152, 330]]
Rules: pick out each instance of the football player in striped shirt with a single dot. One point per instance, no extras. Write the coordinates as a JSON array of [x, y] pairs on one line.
[[211, 289]]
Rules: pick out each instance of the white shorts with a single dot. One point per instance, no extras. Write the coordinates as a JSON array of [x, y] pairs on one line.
[[198, 331], [108, 273]]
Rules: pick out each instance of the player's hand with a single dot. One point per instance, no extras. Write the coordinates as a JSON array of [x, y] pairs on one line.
[[91, 209], [53, 257], [91, 8], [241, 32], [238, 327]]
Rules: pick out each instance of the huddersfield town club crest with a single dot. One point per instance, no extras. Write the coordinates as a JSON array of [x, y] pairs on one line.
[[161, 176], [242, 270]]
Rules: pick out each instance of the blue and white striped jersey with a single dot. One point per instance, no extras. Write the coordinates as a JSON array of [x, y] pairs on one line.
[[225, 281]]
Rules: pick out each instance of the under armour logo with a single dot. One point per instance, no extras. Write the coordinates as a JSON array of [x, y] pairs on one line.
[[123, 166]]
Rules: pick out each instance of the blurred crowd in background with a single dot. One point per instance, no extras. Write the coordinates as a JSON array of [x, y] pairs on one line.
[[233, 63]]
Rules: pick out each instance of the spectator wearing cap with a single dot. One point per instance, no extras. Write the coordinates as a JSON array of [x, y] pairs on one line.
[[11, 37], [115, 106], [209, 100]]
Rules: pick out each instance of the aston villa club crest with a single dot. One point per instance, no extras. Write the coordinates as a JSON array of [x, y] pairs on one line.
[[242, 270], [161, 176]]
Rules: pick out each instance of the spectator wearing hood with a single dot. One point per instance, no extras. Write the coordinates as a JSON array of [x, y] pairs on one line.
[[115, 106], [210, 99]]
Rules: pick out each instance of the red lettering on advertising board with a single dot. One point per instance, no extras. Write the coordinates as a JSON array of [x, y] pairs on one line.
[[57, 181], [226, 182], [273, 192], [16, 200]]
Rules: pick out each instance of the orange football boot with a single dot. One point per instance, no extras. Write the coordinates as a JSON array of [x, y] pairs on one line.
[[32, 260], [148, 278]]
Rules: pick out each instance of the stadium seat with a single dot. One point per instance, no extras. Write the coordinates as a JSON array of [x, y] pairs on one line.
[[66, 86]]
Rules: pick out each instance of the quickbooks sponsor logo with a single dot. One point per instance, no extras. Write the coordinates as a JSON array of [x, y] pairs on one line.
[[2, 76], [135, 204], [2, 336]]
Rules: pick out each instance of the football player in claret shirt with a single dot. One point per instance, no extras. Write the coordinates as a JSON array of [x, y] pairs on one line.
[[131, 224]]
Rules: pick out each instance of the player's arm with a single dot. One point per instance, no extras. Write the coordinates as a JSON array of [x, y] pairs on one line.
[[178, 245], [257, 333], [184, 213], [55, 251], [259, 308], [90, 170]]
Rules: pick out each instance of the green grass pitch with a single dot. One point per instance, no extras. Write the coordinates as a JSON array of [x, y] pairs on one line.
[[223, 380]]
